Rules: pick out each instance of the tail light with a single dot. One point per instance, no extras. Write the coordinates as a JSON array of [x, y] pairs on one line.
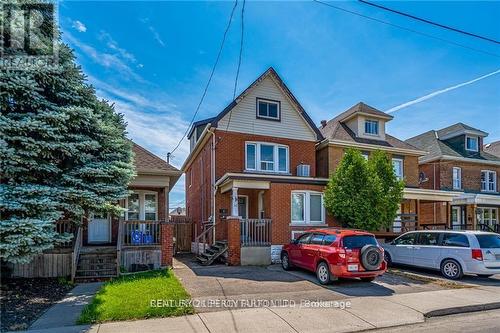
[[477, 254], [342, 254]]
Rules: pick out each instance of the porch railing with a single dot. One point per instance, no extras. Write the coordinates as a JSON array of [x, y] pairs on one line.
[[66, 226], [256, 232], [206, 238], [75, 254], [405, 223], [140, 233]]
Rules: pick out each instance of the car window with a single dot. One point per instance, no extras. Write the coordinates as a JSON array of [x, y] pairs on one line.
[[406, 239], [489, 241], [428, 238], [457, 240], [329, 239], [304, 239], [357, 242], [317, 239]]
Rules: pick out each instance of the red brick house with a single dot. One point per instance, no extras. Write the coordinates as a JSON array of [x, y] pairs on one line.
[[256, 160], [457, 160], [364, 128]]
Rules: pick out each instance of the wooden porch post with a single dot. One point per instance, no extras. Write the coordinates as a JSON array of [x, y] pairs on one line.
[[448, 214], [417, 224]]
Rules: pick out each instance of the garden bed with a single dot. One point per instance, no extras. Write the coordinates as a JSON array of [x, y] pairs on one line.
[[24, 300], [134, 297]]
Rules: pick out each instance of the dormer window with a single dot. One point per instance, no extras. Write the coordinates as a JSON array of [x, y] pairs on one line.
[[268, 109], [371, 127], [471, 143]]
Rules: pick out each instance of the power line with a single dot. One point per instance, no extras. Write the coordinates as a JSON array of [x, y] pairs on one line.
[[429, 22], [406, 29], [239, 60], [210, 78]]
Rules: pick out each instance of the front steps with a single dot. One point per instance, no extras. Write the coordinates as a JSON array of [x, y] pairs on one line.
[[212, 253], [96, 264]]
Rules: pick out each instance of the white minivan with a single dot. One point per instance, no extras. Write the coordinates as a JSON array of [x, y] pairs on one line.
[[454, 253]]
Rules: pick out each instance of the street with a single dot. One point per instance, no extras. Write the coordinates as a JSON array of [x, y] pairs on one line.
[[475, 322]]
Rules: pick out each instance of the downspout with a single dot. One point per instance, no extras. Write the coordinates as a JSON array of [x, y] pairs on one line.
[[212, 176]]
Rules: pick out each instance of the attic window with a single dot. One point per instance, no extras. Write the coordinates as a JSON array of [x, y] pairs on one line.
[[471, 143], [268, 109], [371, 127]]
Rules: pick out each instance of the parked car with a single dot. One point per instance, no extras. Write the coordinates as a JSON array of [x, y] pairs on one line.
[[454, 253], [334, 253]]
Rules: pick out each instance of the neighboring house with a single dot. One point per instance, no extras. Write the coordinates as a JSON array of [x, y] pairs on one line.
[[256, 159], [139, 239], [457, 161], [492, 148], [179, 211], [364, 128]]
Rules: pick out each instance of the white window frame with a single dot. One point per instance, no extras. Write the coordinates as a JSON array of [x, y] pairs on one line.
[[371, 121], [307, 208], [477, 143], [402, 161], [275, 157], [456, 182], [142, 204], [487, 181], [268, 101]]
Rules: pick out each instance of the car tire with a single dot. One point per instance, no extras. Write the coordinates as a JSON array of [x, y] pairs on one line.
[[485, 275], [451, 269], [323, 273], [367, 279], [285, 262], [371, 257], [388, 259]]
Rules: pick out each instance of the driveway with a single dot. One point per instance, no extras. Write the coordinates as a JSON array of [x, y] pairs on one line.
[[219, 287]]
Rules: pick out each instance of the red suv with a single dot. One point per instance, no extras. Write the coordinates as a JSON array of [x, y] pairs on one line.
[[334, 253]]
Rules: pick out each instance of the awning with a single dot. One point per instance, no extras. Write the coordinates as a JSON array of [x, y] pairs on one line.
[[477, 199], [429, 195]]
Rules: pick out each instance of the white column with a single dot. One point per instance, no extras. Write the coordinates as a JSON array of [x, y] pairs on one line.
[[234, 202]]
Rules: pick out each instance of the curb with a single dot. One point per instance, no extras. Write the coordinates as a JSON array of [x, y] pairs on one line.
[[462, 309]]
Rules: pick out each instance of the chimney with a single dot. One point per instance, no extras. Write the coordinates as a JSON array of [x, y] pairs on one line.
[[323, 123]]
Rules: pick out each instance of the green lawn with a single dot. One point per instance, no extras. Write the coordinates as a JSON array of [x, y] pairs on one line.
[[131, 297]]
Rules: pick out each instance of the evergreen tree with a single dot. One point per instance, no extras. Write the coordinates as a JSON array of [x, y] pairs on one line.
[[63, 152]]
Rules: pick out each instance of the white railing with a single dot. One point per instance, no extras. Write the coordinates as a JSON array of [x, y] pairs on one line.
[[255, 232], [75, 255]]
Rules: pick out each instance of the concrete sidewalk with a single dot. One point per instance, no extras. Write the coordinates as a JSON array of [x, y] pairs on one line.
[[363, 313]]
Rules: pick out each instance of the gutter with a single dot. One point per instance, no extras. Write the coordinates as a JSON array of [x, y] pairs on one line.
[[459, 159]]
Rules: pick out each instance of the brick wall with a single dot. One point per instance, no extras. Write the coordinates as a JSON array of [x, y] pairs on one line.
[[233, 241], [167, 248]]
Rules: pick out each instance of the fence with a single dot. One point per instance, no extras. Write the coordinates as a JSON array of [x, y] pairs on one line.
[[255, 232], [140, 233]]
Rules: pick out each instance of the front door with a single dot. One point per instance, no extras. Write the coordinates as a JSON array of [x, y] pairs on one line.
[[99, 228], [456, 218], [243, 206]]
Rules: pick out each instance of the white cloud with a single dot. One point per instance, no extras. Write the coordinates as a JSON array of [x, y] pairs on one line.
[[113, 45], [156, 35], [79, 26], [439, 92]]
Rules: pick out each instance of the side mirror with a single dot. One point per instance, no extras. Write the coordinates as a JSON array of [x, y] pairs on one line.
[[293, 241]]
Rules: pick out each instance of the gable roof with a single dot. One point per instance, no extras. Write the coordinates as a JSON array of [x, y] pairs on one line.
[[336, 129], [148, 163], [493, 148], [458, 129], [436, 148], [270, 72]]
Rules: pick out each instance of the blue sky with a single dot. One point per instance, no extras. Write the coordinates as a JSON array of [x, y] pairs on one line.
[[152, 59]]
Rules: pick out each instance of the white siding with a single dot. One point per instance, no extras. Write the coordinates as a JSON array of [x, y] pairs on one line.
[[244, 120]]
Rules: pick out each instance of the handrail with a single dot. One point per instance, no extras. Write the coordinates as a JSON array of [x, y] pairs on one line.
[[75, 255], [119, 247], [206, 236], [485, 227]]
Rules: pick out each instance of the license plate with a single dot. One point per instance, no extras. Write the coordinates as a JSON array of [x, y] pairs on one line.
[[351, 268]]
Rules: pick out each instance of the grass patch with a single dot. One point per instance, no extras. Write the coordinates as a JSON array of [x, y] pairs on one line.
[[448, 284], [129, 297]]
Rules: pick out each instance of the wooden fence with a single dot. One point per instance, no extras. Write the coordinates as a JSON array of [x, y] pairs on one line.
[[45, 265]]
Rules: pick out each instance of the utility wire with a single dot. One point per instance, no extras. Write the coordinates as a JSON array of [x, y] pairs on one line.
[[428, 21], [209, 79], [239, 60], [407, 29]]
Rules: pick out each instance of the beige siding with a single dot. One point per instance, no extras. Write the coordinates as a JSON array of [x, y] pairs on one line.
[[243, 115]]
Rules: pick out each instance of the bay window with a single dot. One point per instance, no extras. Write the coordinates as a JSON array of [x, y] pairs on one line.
[[307, 207], [488, 181], [142, 205], [260, 156]]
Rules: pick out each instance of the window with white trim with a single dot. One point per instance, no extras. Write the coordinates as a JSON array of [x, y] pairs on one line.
[[471, 143], [398, 166], [488, 181], [307, 207], [457, 178], [371, 127], [268, 157], [142, 205], [268, 109]]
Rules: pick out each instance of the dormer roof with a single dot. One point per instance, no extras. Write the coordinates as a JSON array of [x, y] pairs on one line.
[[459, 129]]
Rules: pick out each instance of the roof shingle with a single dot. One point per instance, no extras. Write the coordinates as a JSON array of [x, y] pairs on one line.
[[145, 161]]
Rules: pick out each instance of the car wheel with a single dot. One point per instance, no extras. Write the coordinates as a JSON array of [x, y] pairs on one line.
[[371, 257], [285, 262], [451, 269], [485, 275], [367, 279], [388, 259], [323, 273]]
